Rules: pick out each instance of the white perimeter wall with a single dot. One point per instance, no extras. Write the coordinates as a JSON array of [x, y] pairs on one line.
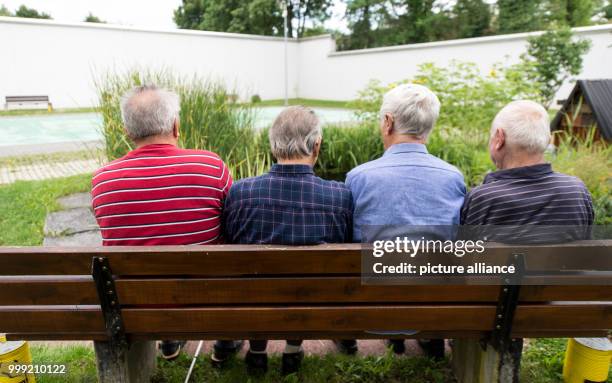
[[39, 57]]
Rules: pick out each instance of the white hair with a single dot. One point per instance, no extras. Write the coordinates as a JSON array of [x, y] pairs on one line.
[[525, 124], [294, 133], [149, 111], [414, 108]]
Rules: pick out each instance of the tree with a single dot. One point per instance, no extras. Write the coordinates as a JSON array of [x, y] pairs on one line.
[[93, 19], [573, 13], [31, 13], [472, 18], [518, 16], [4, 11], [555, 56], [364, 16], [263, 17]]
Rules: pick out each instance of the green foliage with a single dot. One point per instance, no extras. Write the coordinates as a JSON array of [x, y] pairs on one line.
[[31, 13], [262, 17], [210, 119], [572, 13], [255, 99], [591, 162], [25, 204], [555, 56], [93, 19], [472, 18], [518, 16], [4, 11]]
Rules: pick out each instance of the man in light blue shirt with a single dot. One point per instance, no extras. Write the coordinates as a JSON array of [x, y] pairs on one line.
[[407, 185]]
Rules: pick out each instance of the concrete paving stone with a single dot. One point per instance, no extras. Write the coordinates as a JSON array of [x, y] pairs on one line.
[[75, 201], [67, 222], [89, 238]]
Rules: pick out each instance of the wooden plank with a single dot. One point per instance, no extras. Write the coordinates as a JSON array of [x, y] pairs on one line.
[[564, 316], [51, 319], [317, 318], [292, 291], [231, 260], [565, 293], [43, 290]]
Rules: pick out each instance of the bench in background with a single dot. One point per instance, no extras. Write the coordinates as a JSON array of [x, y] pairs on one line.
[[27, 102], [124, 298]]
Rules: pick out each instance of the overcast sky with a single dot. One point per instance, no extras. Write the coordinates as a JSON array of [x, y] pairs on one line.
[[141, 13]]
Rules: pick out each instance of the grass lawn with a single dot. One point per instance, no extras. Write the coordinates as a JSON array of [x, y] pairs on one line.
[[30, 112], [542, 363], [306, 102], [15, 161], [25, 204]]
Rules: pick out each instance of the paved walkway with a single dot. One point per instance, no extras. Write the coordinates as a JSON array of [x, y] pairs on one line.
[[42, 170], [76, 226]]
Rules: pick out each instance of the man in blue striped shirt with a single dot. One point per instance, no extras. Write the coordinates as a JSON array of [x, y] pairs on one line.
[[525, 190]]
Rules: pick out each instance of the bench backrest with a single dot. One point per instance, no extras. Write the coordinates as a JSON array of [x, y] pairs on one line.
[[16, 99], [235, 291]]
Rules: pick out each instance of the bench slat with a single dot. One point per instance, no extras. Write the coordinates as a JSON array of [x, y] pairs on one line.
[[571, 317], [80, 290], [233, 260]]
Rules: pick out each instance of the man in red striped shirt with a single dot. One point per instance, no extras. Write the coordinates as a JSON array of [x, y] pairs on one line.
[[159, 194]]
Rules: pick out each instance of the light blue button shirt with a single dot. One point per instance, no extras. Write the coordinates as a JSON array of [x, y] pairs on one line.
[[406, 186]]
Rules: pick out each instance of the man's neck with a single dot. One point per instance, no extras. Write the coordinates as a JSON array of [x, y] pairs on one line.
[[297, 161], [405, 139], [522, 161], [156, 140]]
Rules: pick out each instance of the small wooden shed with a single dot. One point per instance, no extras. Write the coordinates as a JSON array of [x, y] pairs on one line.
[[589, 106]]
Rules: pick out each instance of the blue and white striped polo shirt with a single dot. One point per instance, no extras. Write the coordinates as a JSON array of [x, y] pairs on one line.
[[530, 195]]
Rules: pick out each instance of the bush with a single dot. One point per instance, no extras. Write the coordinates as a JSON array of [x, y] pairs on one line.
[[255, 99]]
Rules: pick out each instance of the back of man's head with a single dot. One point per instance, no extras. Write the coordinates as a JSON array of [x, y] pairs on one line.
[[414, 108], [525, 125], [149, 111], [294, 133]]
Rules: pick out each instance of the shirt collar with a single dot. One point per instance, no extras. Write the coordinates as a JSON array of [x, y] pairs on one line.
[[406, 148], [291, 169], [533, 171]]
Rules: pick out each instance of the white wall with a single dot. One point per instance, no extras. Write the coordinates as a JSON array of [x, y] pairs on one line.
[[340, 75], [60, 60], [40, 57]]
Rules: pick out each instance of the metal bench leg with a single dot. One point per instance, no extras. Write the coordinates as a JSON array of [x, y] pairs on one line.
[[118, 360]]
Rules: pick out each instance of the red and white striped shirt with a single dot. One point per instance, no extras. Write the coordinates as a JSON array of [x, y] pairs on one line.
[[161, 195]]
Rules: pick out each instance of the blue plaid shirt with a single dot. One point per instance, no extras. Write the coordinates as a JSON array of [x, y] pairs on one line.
[[288, 206]]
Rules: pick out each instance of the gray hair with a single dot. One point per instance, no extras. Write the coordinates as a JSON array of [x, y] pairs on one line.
[[149, 111], [294, 133], [414, 108], [525, 124]]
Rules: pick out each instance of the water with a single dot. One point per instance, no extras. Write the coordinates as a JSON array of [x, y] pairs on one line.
[[82, 127]]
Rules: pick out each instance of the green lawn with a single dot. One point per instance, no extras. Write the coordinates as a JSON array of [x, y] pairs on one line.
[[30, 112], [25, 204], [542, 363], [306, 102]]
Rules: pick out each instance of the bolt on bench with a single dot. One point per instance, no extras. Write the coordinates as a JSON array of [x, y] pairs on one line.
[[124, 298]]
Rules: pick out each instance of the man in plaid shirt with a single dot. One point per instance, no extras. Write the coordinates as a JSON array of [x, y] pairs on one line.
[[287, 206]]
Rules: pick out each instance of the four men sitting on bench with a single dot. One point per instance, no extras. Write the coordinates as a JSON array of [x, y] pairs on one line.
[[159, 194]]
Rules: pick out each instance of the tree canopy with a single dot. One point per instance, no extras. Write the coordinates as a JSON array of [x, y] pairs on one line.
[[31, 13], [93, 19]]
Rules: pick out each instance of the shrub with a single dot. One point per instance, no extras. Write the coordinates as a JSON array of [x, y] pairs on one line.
[[210, 118], [255, 99]]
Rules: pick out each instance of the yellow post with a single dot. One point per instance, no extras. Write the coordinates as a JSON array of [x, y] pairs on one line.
[[587, 359]]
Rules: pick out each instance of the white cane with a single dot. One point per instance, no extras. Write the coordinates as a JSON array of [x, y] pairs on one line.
[[193, 362]]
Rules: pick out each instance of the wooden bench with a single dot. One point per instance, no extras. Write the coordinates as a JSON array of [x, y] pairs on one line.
[[124, 298], [27, 102]]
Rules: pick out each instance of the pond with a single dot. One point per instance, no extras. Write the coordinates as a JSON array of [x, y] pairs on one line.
[[82, 127]]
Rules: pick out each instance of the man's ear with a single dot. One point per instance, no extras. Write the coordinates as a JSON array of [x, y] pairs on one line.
[[317, 147], [388, 125], [500, 139], [175, 128]]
